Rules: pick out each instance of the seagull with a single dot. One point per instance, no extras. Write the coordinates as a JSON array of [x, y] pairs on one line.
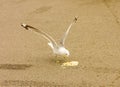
[[57, 48]]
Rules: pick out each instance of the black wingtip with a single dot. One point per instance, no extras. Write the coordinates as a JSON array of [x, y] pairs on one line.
[[76, 18], [24, 26]]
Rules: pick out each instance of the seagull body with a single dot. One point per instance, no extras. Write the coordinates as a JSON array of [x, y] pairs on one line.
[[57, 49]]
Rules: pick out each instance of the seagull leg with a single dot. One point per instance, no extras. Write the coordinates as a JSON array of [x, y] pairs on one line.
[[66, 59], [56, 56]]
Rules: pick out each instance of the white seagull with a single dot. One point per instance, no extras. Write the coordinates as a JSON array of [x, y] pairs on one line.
[[58, 49]]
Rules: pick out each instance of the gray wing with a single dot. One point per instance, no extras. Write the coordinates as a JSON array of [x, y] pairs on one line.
[[62, 41], [45, 35]]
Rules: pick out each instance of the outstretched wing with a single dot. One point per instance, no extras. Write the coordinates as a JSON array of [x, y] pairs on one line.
[[62, 41], [45, 35]]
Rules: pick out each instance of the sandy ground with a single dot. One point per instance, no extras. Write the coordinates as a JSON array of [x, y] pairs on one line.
[[94, 41]]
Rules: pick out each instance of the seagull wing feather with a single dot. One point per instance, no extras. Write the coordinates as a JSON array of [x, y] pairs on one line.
[[62, 41], [45, 35]]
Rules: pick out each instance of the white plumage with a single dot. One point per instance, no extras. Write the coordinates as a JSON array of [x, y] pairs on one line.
[[58, 49]]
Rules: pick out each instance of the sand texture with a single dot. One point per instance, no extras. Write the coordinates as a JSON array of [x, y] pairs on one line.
[[94, 41]]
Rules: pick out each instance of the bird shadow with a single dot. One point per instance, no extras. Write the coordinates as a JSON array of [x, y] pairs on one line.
[[15, 66], [56, 60]]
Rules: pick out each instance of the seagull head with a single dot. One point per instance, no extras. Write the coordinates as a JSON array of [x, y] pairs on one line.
[[67, 53], [64, 52]]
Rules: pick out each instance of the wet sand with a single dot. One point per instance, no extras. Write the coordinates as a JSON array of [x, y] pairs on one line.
[[94, 41]]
